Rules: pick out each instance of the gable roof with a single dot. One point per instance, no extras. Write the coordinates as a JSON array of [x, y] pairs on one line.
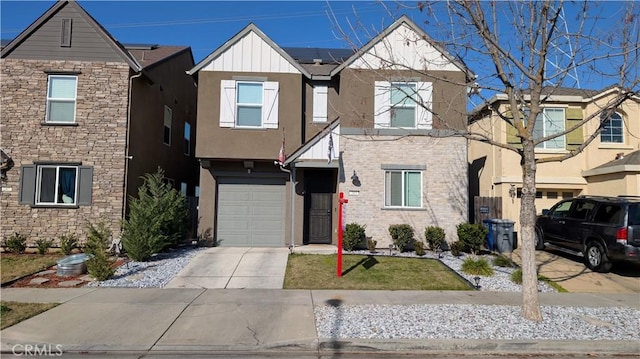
[[293, 157], [115, 45], [404, 20], [151, 55], [627, 163], [251, 28]]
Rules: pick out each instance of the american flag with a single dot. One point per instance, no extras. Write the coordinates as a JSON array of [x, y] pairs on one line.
[[330, 150], [281, 156]]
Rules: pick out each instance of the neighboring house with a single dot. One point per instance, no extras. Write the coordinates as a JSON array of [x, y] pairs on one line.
[[83, 117], [610, 165], [350, 123]]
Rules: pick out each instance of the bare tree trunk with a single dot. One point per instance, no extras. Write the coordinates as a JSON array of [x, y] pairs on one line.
[[530, 299]]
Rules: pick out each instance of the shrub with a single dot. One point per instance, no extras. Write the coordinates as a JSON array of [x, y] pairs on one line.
[[354, 236], [503, 261], [456, 248], [477, 266], [371, 245], [434, 236], [516, 276], [16, 243], [68, 242], [419, 248], [472, 235], [100, 265], [402, 235], [43, 245], [157, 218]]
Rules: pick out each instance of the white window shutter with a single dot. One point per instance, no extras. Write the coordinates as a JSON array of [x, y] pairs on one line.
[[270, 105], [320, 100], [423, 107], [227, 103], [382, 104]]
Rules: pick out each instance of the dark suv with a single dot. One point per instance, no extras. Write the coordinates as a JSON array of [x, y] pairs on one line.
[[603, 229]]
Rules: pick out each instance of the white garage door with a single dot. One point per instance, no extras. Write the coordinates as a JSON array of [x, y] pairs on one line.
[[251, 214]]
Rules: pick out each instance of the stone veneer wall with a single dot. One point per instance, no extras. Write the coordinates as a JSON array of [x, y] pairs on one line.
[[98, 140], [444, 182]]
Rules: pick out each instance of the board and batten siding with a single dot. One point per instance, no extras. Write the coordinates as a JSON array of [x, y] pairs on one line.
[[320, 150], [251, 54], [86, 43], [403, 48]]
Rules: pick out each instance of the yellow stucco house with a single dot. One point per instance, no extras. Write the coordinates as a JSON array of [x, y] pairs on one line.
[[610, 165]]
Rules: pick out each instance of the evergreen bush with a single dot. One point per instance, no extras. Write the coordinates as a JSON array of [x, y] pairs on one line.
[[472, 235], [100, 265], [353, 237], [157, 218], [16, 243], [402, 235], [68, 242], [434, 236], [43, 245]]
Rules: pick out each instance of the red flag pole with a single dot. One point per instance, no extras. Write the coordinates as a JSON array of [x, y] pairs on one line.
[[341, 202]]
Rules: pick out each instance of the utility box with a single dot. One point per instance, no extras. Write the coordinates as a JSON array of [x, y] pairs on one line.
[[500, 238]]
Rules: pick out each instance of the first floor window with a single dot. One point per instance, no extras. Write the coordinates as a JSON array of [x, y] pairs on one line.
[[57, 185], [403, 189], [612, 130], [61, 99]]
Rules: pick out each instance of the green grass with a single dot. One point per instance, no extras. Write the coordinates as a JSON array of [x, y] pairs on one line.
[[308, 271], [13, 266], [15, 312]]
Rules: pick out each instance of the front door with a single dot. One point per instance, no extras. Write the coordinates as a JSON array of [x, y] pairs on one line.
[[319, 191]]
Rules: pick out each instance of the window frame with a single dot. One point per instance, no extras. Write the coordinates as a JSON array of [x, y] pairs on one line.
[[38, 185], [608, 126], [540, 120], [248, 104], [166, 136], [407, 102], [187, 139], [387, 189], [51, 99]]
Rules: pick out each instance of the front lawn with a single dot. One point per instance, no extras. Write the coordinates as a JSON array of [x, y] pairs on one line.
[[13, 266], [309, 271], [15, 312]]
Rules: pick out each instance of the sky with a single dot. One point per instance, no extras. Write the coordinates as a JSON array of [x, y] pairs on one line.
[[206, 25]]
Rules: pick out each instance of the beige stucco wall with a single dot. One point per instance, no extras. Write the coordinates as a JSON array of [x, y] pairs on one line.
[[98, 140]]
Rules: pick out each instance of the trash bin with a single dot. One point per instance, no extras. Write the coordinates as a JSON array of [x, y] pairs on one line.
[[503, 235], [491, 226]]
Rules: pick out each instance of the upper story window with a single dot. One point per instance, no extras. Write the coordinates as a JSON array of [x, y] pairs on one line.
[[168, 117], [249, 104], [187, 138], [612, 130], [61, 99], [549, 122], [403, 188], [403, 105]]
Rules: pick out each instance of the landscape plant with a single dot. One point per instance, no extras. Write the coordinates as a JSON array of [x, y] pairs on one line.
[[418, 246], [472, 235], [100, 264], [354, 236], [68, 242], [43, 245], [477, 266], [16, 243], [456, 248], [371, 245], [503, 261], [157, 218], [434, 236], [402, 236]]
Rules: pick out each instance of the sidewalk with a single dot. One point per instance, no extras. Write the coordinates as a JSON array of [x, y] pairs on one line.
[[202, 321]]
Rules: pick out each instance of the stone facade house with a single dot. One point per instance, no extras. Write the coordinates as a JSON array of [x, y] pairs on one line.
[[337, 120], [83, 117], [610, 165]]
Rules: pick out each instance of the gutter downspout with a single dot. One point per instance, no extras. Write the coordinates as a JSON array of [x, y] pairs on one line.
[[291, 173], [127, 157]]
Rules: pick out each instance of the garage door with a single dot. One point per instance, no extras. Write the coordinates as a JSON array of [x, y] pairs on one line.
[[251, 214]]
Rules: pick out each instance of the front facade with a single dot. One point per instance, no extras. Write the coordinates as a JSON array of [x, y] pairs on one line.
[[608, 166], [346, 121], [82, 119]]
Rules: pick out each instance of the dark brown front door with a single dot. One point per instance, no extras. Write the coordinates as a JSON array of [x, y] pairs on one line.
[[320, 187]]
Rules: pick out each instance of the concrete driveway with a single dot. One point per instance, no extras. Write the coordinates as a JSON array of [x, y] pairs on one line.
[[234, 267]]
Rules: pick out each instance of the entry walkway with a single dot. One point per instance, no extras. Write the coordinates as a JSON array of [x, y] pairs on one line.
[[234, 267]]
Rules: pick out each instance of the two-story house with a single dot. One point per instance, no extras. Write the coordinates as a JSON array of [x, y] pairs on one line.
[[610, 165], [83, 117], [373, 123]]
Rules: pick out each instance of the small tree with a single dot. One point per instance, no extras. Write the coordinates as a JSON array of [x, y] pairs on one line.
[[472, 235], [100, 265], [157, 218]]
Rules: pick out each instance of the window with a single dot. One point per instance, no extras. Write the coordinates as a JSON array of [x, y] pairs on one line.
[[402, 105], [55, 185], [187, 138], [567, 195], [561, 210], [320, 100], [550, 121], [552, 195], [168, 117], [612, 130], [581, 210], [169, 181], [249, 104], [403, 189], [61, 99], [183, 188]]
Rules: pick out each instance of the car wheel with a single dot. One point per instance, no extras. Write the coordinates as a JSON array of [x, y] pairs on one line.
[[539, 240], [596, 258]]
